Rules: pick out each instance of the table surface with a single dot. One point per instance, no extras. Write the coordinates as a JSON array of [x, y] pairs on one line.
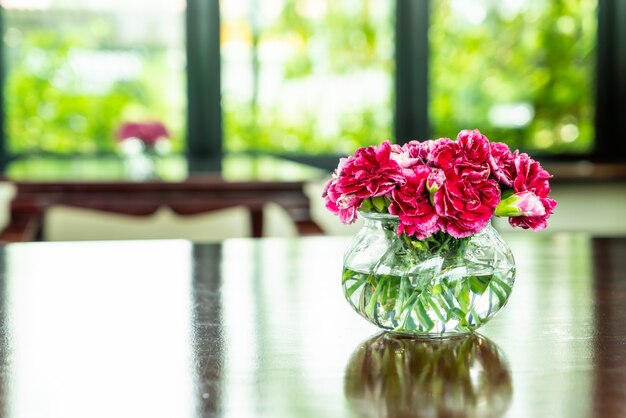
[[259, 328]]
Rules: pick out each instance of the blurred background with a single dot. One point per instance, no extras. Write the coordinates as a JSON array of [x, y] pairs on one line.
[[280, 89]]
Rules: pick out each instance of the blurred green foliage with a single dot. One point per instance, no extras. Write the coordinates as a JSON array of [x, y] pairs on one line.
[[541, 55], [50, 109], [348, 40]]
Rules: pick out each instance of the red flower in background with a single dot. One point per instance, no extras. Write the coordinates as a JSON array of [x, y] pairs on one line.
[[148, 132]]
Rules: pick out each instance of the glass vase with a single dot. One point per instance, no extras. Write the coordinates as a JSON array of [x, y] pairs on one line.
[[438, 286], [140, 160]]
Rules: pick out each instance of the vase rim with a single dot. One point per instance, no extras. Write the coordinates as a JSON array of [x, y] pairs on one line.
[[377, 215], [395, 218]]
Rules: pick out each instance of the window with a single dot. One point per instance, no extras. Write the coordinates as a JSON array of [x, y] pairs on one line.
[[294, 74], [79, 69], [310, 80]]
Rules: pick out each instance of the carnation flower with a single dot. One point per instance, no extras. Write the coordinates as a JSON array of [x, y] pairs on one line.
[[521, 204], [502, 163], [467, 156], [411, 202], [370, 172], [475, 146], [446, 153], [535, 223], [408, 155], [442, 185], [530, 177], [435, 180], [414, 153], [465, 208], [343, 205]]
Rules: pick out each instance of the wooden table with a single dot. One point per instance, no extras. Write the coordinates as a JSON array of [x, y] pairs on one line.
[[259, 328]]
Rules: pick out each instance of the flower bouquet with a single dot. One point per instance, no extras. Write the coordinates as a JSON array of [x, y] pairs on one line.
[[151, 136], [427, 260]]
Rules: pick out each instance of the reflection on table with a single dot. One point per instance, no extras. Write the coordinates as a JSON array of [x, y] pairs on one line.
[[394, 376], [172, 168], [259, 328]]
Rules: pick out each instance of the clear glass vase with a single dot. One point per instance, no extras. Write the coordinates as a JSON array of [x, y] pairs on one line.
[[439, 286]]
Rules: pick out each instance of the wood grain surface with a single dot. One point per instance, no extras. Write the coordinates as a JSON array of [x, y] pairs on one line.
[[259, 328]]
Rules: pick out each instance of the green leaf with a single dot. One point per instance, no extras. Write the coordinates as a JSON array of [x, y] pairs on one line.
[[353, 288], [380, 204], [408, 325], [347, 275], [423, 317], [419, 245], [446, 304], [458, 314], [366, 205], [463, 297], [499, 294], [369, 309], [437, 309], [476, 319], [392, 293], [505, 287], [410, 302], [478, 284], [506, 194]]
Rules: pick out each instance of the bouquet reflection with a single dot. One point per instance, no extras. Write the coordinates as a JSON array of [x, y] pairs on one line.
[[392, 376]]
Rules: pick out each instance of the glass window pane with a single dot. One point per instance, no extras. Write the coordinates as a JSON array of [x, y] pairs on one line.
[[306, 76], [78, 69], [520, 70]]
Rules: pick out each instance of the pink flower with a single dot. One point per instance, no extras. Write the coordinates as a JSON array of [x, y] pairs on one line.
[[426, 150], [148, 132], [411, 202], [435, 180], [343, 205], [414, 153], [445, 153], [535, 223], [465, 208], [475, 146], [473, 173], [502, 163], [531, 177], [468, 156], [521, 204], [370, 172], [408, 155], [530, 205], [442, 185]]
